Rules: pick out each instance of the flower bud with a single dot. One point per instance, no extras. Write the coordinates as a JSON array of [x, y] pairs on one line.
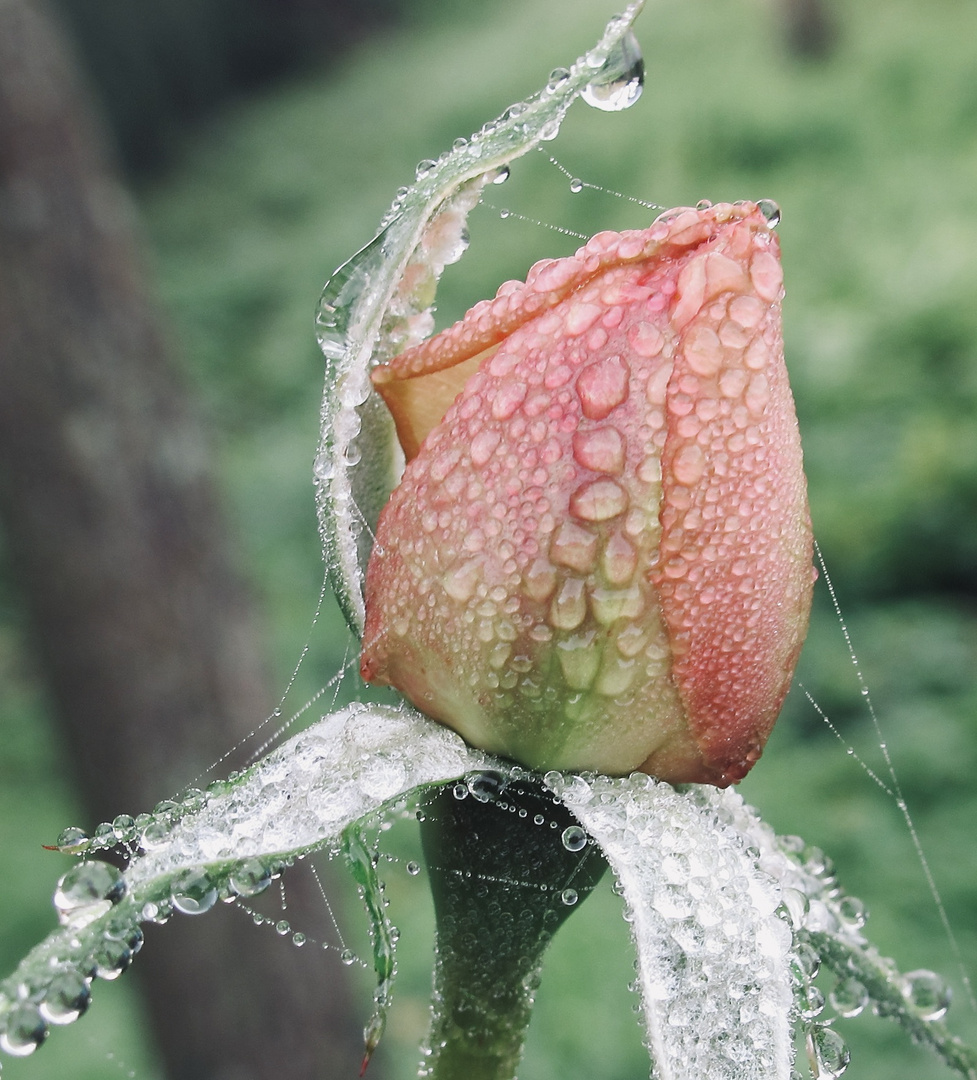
[[599, 554]]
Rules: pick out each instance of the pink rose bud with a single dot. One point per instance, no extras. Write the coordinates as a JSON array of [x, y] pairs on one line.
[[599, 555]]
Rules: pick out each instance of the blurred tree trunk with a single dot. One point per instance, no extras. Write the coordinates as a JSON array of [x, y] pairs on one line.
[[809, 27], [145, 631]]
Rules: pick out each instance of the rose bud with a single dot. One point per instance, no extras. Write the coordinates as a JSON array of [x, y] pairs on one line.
[[599, 555]]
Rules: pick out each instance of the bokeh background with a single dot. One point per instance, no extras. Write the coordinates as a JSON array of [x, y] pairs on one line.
[[261, 145]]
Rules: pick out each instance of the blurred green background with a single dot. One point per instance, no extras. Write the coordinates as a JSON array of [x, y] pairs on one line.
[[869, 144]]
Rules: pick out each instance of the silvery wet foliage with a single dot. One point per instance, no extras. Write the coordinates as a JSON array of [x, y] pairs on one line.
[[731, 923]]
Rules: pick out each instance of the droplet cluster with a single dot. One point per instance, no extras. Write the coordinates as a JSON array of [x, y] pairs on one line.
[[226, 844], [601, 546], [732, 923]]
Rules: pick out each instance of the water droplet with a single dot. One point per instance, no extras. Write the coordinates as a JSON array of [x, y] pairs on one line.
[[486, 786], [111, 958], [460, 143], [558, 77], [104, 834], [22, 1030], [299, 939], [810, 1002], [66, 997], [193, 892], [324, 468], [460, 791], [501, 176], [770, 210], [574, 838], [569, 896], [848, 998], [806, 961], [123, 825], [425, 168], [282, 928], [852, 912], [153, 835], [538, 819], [828, 1052], [87, 891], [576, 185], [927, 993], [618, 83], [413, 869], [348, 957], [72, 837], [504, 214], [249, 878]]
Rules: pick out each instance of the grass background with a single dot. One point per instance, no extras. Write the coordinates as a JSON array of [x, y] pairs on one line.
[[872, 154]]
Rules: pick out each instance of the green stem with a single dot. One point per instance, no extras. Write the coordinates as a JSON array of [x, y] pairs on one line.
[[503, 880]]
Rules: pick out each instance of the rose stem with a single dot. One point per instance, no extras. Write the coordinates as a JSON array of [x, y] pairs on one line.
[[503, 883]]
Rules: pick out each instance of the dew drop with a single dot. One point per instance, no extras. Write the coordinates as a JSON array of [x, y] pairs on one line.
[[806, 961], [460, 791], [22, 1030], [770, 210], [193, 892], [72, 837], [810, 1002], [299, 939], [66, 997], [829, 1053], [501, 176], [413, 869], [569, 897], [486, 786], [848, 998], [249, 878], [123, 825], [282, 928], [324, 467], [576, 185], [927, 993], [574, 838], [618, 83], [425, 168], [87, 891], [852, 912], [111, 958], [558, 76], [504, 214], [348, 957]]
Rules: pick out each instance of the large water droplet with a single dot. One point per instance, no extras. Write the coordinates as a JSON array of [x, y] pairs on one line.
[[574, 838], [848, 998], [771, 211], [22, 1030], [72, 837], [829, 1053], [486, 786], [67, 996], [111, 958], [617, 85], [193, 892], [87, 891], [249, 878], [569, 897], [928, 993]]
